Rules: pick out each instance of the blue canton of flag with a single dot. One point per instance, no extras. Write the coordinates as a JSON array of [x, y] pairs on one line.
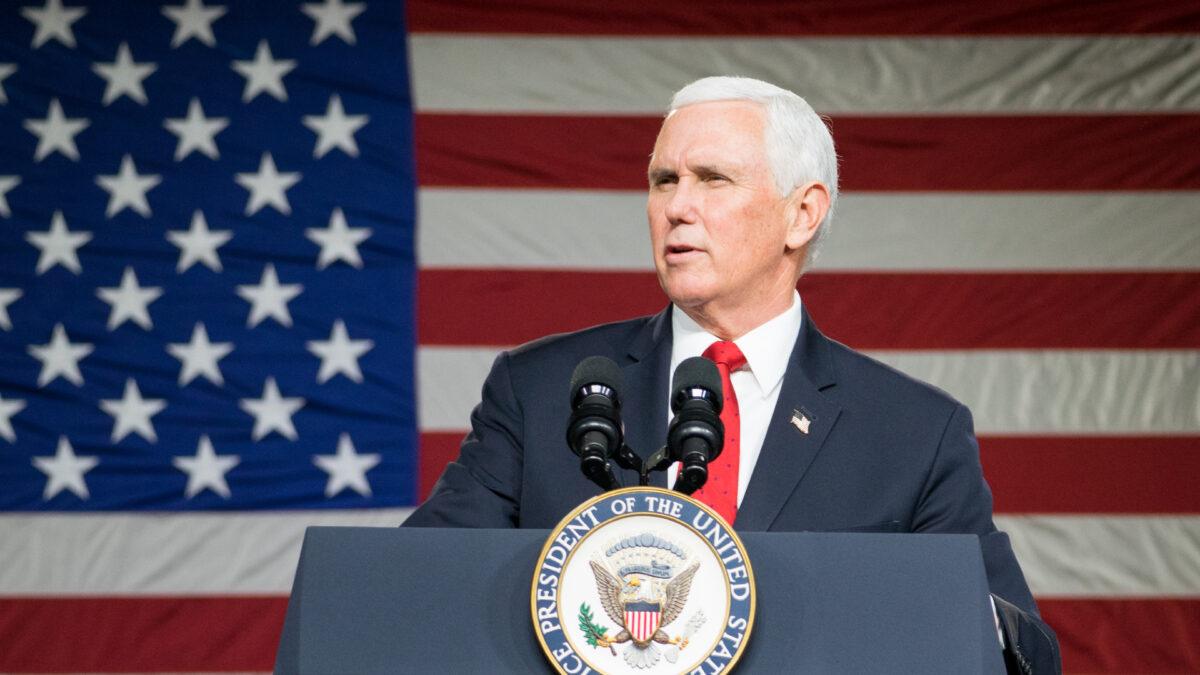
[[206, 256]]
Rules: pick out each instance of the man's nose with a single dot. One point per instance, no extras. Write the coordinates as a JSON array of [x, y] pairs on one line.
[[681, 206]]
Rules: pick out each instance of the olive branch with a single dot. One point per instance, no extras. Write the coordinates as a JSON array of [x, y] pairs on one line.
[[595, 633]]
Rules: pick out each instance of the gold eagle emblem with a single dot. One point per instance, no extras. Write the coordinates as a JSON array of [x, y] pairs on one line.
[[618, 595]]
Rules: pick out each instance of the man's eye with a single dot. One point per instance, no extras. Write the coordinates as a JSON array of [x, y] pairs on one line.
[[715, 177], [664, 180]]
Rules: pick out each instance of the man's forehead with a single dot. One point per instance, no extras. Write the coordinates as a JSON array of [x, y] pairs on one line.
[[719, 107], [709, 132]]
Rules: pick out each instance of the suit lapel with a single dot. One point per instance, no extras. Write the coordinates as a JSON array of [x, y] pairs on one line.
[[788, 451], [647, 382]]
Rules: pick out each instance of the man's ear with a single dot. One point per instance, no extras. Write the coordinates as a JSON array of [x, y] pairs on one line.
[[806, 209]]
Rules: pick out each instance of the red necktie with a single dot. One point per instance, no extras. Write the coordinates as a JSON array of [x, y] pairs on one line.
[[721, 490]]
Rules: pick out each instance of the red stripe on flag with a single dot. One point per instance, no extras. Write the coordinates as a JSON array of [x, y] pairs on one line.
[[106, 634], [980, 153], [533, 151], [1007, 310], [825, 17], [1130, 474], [489, 307], [1004, 153], [1144, 635], [865, 310], [1092, 475], [140, 634], [437, 450]]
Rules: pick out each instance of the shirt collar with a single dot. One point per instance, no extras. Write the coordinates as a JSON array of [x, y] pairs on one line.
[[767, 348]]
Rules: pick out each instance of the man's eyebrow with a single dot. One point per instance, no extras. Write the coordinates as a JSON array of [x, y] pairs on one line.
[[702, 170], [660, 173]]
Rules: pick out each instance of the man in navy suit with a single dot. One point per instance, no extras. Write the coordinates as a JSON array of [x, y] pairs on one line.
[[742, 181]]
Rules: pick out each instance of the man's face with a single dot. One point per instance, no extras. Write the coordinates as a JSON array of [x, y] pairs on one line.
[[718, 226]]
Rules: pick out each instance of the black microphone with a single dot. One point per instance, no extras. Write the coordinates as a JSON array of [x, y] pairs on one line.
[[594, 430], [696, 435]]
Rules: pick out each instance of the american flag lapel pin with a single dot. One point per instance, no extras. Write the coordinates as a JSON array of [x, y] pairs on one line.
[[801, 421]]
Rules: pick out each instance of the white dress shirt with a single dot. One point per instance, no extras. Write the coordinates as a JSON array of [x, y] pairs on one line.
[[767, 349]]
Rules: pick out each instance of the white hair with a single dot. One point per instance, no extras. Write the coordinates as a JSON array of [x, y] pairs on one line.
[[798, 144]]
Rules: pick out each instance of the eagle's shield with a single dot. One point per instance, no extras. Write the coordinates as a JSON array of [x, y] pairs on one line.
[[641, 619]]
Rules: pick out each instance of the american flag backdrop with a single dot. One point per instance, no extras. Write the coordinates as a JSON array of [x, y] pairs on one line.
[[215, 308], [207, 282]]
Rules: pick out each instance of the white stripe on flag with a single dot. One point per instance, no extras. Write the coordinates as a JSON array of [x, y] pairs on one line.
[[1066, 392], [161, 554], [1044, 74], [450, 384], [1107, 556], [605, 230], [239, 553], [1079, 392]]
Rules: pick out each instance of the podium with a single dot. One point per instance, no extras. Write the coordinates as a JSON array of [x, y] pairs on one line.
[[391, 600]]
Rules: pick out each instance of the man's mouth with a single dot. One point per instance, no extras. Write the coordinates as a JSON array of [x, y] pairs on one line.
[[680, 251], [679, 254]]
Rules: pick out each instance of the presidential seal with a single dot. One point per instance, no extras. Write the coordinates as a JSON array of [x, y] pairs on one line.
[[643, 580]]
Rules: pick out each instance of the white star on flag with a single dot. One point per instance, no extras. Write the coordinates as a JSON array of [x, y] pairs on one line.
[[53, 21], [128, 189], [196, 132], [333, 17], [264, 73], [347, 469], [7, 297], [268, 186], [199, 357], [193, 20], [7, 183], [339, 354], [7, 409], [58, 245], [60, 356], [131, 413], [64, 471], [6, 69], [123, 77], [338, 241], [198, 244], [129, 301], [269, 298], [56, 133], [336, 129], [206, 469], [272, 412]]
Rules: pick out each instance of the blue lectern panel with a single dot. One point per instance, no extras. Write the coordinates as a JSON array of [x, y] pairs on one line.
[[390, 600]]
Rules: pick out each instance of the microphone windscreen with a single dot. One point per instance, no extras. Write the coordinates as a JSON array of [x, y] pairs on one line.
[[697, 373], [597, 370]]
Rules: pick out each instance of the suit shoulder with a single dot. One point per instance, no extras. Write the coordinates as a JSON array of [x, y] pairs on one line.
[[867, 378], [608, 339]]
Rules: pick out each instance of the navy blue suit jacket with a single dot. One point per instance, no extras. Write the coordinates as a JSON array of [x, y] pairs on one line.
[[884, 453]]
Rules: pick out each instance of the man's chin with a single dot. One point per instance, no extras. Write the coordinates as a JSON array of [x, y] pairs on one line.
[[687, 288], [688, 298]]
